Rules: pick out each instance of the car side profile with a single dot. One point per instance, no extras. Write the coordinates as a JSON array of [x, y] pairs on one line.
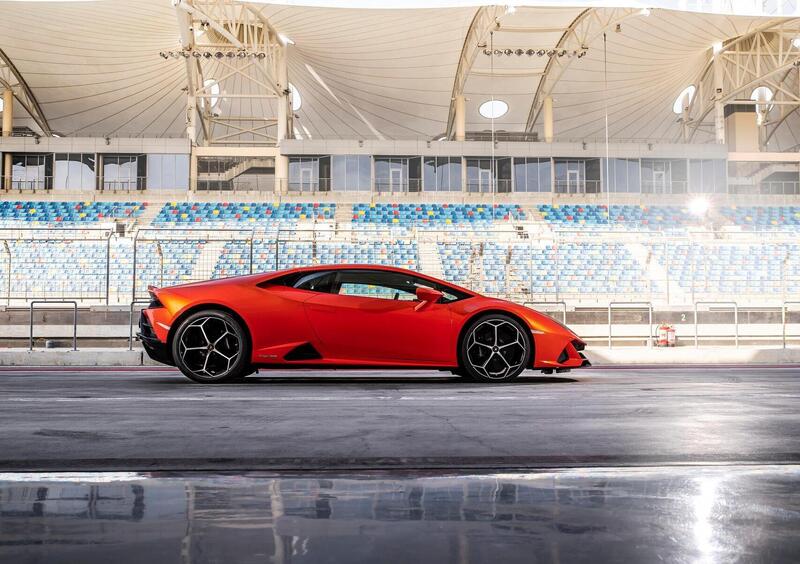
[[355, 316]]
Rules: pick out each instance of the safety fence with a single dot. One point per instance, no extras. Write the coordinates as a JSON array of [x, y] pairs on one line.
[[579, 268], [783, 329]]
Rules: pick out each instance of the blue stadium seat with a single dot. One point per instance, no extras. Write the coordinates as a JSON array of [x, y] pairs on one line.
[[54, 213], [435, 215], [763, 217], [621, 216], [238, 214]]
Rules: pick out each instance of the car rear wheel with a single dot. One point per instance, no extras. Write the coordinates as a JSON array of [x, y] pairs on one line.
[[211, 346], [495, 348]]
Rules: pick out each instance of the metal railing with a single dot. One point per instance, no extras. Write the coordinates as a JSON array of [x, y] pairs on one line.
[[718, 303], [784, 314], [588, 267], [633, 305], [130, 321], [74, 320]]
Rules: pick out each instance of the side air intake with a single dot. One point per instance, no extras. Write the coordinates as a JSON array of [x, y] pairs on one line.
[[306, 351]]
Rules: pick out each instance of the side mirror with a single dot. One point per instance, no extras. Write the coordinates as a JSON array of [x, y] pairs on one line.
[[426, 297]]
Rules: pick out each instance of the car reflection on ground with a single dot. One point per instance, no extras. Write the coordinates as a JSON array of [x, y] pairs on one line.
[[625, 515]]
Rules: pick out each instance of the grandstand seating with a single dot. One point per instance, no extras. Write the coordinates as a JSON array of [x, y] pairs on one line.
[[238, 214], [55, 213], [502, 265], [73, 269], [731, 269], [402, 254], [625, 216], [763, 217], [569, 268], [234, 260], [435, 215]]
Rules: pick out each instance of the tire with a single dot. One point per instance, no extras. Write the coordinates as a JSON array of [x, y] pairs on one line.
[[212, 347], [495, 348]]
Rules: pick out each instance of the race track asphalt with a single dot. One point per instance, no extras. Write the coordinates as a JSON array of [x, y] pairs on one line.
[[153, 419]]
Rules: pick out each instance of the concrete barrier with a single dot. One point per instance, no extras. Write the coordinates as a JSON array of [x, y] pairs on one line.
[[599, 356], [68, 357]]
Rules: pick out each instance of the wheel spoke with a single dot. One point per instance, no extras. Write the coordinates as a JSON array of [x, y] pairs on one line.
[[199, 358], [512, 351]]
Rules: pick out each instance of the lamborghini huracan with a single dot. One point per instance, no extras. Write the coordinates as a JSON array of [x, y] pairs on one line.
[[354, 316]]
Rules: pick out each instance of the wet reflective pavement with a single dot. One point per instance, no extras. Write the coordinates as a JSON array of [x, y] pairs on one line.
[[671, 514], [157, 420], [681, 465]]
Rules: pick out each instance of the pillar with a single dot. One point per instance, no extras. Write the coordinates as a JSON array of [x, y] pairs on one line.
[[284, 114], [193, 171], [281, 174], [191, 117], [8, 112], [685, 117], [548, 119], [7, 171], [8, 125], [719, 107], [460, 118], [285, 98]]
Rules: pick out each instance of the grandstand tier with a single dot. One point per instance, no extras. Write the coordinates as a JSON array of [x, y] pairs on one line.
[[569, 251]]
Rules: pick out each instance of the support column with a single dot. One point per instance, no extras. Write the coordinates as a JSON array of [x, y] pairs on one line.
[[98, 177], [685, 118], [281, 174], [719, 107], [284, 112], [461, 118], [191, 118], [7, 163], [8, 112], [285, 98], [8, 126], [193, 170], [547, 108]]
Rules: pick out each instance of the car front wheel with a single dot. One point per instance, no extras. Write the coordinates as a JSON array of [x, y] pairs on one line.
[[495, 348], [211, 346]]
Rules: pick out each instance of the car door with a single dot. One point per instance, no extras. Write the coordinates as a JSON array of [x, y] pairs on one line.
[[372, 316]]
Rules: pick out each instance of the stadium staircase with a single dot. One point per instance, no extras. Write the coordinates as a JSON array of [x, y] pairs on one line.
[[207, 260], [429, 261], [343, 217], [147, 216]]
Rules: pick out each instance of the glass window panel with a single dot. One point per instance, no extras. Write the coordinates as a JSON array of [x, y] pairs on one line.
[[429, 173], [339, 172], [520, 176], [182, 172], [364, 173]]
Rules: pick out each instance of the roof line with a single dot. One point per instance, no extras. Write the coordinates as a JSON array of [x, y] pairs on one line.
[[28, 100]]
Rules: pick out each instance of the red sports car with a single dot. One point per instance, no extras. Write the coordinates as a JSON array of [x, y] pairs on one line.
[[354, 316]]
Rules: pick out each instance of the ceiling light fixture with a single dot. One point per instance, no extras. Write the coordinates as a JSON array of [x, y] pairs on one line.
[[530, 52], [198, 54]]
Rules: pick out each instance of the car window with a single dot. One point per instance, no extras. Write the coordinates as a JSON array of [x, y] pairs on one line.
[[387, 285], [316, 282]]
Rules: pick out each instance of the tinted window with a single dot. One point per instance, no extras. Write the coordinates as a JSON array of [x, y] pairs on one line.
[[387, 285], [316, 282]]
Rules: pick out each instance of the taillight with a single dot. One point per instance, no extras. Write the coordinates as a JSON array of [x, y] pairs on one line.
[[154, 303]]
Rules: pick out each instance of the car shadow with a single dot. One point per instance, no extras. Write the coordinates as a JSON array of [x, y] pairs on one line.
[[330, 378], [401, 380]]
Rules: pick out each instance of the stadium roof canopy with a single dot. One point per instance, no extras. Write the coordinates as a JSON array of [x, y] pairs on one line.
[[93, 68]]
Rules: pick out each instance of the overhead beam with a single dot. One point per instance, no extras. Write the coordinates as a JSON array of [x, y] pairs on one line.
[[232, 28], [582, 32], [742, 64], [11, 79], [484, 21]]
